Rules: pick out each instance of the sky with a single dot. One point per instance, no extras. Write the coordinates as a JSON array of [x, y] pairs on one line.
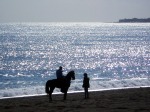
[[72, 10]]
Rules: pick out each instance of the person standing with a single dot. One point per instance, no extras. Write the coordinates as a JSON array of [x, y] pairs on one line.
[[86, 85]]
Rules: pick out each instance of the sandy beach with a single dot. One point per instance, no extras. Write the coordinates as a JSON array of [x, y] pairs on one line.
[[124, 100]]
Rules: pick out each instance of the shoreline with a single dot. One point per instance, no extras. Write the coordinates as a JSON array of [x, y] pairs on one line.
[[72, 92], [122, 100]]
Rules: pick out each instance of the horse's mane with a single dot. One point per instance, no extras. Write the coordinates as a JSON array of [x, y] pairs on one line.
[[70, 73]]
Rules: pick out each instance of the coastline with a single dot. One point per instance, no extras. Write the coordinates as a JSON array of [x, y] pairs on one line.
[[120, 100], [74, 92]]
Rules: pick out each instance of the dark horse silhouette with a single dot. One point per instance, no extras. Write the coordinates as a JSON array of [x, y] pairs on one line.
[[63, 84]]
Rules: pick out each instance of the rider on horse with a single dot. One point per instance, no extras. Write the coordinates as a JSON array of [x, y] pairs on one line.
[[59, 73], [60, 78], [56, 83]]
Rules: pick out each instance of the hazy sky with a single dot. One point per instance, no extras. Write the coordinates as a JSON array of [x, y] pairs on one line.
[[72, 10]]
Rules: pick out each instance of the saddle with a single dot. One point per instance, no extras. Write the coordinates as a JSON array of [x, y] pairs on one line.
[[62, 84]]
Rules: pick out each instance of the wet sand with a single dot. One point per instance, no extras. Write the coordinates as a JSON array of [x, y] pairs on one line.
[[124, 100]]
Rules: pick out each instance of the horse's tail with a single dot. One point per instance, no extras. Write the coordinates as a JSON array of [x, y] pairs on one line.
[[47, 87]]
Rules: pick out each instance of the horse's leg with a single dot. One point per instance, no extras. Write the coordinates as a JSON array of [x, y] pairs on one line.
[[50, 97], [50, 93], [65, 95]]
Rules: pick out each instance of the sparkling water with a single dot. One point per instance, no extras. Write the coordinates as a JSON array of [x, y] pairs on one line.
[[114, 55]]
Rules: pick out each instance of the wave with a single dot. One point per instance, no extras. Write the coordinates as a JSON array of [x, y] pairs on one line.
[[76, 86]]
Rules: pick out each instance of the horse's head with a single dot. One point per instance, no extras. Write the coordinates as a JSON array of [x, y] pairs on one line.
[[71, 74]]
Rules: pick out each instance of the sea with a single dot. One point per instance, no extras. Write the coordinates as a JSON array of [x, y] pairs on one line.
[[114, 55]]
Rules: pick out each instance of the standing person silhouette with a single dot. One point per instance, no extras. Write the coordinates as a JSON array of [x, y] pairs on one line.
[[86, 85], [59, 73]]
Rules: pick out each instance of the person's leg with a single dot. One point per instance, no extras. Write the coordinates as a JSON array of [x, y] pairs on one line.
[[86, 92]]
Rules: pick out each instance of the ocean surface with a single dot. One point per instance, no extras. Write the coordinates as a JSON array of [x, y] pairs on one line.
[[114, 55]]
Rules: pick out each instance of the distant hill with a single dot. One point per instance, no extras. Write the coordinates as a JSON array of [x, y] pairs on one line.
[[135, 20]]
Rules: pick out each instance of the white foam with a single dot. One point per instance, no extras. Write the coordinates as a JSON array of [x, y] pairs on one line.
[[95, 85]]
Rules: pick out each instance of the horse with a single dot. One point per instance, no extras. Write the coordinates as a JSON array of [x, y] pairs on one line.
[[63, 84]]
